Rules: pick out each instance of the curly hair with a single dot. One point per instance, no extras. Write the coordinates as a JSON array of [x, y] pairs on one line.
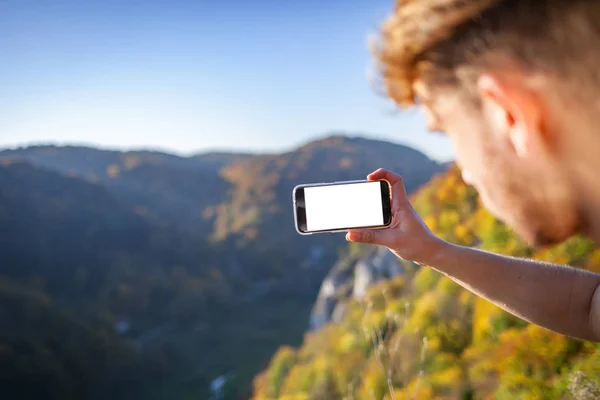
[[448, 41]]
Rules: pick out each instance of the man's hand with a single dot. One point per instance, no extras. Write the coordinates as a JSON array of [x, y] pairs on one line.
[[407, 237]]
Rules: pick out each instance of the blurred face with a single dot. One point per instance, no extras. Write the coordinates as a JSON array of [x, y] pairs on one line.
[[501, 153]]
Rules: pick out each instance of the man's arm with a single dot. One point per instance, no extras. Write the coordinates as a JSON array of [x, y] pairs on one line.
[[563, 299]]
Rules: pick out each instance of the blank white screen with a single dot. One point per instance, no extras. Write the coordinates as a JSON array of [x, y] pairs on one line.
[[343, 206]]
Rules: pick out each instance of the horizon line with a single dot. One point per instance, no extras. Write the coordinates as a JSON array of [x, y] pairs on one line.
[[197, 152]]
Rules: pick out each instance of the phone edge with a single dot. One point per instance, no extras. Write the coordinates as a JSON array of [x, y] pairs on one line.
[[296, 211], [332, 184]]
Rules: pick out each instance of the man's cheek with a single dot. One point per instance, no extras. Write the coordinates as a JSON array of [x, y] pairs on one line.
[[467, 177], [461, 154]]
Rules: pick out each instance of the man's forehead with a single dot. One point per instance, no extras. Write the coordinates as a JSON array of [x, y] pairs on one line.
[[429, 104], [436, 100]]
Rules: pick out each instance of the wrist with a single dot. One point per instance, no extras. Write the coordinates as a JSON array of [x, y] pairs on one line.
[[436, 251]]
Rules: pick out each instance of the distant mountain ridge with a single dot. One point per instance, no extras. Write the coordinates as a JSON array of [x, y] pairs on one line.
[[95, 164], [230, 196], [169, 188]]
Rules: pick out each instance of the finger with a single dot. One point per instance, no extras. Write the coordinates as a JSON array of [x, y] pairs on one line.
[[376, 174], [363, 236], [387, 175], [398, 190]]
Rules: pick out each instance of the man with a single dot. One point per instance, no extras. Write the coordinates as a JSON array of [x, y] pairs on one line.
[[515, 84]]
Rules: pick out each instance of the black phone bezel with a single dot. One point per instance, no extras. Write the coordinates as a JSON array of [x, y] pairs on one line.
[[386, 203], [300, 207]]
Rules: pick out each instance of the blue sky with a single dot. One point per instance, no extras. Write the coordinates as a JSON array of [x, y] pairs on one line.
[[188, 76]]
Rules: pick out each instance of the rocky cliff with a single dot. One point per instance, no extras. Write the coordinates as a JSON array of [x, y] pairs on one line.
[[350, 278]]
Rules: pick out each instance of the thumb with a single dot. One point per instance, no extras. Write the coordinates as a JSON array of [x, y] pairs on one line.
[[364, 236]]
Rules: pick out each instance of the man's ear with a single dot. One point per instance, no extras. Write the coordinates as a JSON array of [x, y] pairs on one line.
[[515, 111]]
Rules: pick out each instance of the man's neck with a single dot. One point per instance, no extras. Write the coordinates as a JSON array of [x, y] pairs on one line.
[[583, 164], [593, 221]]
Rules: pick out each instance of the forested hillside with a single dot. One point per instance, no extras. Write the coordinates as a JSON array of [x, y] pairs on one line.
[[237, 199], [421, 336], [144, 275], [74, 263]]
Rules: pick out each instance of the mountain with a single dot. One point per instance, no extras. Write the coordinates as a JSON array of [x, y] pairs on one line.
[[99, 164], [258, 202], [48, 218], [420, 335], [184, 268], [172, 190], [236, 199], [221, 159], [87, 162], [66, 218]]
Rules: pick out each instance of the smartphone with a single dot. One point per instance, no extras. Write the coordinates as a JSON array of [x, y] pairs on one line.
[[339, 206]]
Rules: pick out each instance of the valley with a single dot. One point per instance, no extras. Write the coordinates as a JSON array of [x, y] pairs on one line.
[[184, 268]]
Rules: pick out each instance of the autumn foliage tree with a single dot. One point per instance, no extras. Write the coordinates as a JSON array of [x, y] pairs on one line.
[[421, 336]]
